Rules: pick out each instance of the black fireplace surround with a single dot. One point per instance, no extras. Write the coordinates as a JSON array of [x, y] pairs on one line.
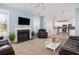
[[23, 35]]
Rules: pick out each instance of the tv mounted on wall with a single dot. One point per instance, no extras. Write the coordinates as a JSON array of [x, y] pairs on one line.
[[23, 21]]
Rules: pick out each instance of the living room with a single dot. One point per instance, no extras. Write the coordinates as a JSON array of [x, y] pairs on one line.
[[39, 28]]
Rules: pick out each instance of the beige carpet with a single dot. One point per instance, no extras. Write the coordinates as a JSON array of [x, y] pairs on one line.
[[37, 46]]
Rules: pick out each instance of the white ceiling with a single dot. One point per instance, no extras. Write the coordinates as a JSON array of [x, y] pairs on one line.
[[50, 10]]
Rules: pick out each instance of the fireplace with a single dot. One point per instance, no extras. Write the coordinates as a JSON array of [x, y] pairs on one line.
[[23, 35]]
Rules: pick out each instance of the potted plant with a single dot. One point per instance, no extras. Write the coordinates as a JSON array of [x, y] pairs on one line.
[[33, 34], [12, 37]]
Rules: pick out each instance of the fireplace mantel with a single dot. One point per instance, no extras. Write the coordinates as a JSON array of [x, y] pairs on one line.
[[22, 27]]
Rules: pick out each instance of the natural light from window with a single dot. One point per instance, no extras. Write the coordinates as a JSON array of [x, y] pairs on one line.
[[3, 23]]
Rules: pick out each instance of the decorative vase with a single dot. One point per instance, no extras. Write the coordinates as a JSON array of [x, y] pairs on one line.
[[53, 39]]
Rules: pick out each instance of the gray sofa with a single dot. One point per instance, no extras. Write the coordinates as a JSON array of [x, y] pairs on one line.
[[71, 47], [6, 48]]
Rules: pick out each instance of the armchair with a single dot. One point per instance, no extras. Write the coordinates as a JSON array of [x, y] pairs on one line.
[[42, 33]]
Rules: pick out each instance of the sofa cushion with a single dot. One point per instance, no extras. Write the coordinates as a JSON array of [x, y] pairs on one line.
[[74, 38], [4, 47]]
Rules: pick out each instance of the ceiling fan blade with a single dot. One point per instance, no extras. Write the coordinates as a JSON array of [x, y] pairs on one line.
[[38, 5], [43, 6]]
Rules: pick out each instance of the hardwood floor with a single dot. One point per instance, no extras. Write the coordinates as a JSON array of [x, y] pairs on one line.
[[37, 46]]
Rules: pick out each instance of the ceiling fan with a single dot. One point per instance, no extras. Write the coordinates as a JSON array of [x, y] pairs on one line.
[[40, 8], [40, 5]]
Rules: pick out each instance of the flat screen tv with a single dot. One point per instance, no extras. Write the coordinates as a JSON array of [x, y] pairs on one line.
[[23, 21]]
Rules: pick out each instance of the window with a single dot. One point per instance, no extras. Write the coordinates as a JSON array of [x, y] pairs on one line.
[[36, 24], [49, 26], [3, 22]]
